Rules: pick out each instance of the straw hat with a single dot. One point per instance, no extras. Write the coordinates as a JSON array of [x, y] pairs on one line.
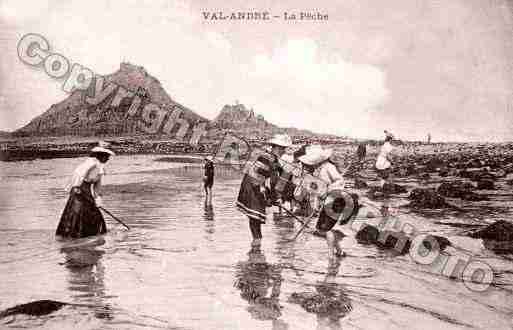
[[102, 147], [315, 154], [209, 158], [282, 140]]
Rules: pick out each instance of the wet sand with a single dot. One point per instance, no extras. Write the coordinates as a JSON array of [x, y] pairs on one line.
[[185, 265]]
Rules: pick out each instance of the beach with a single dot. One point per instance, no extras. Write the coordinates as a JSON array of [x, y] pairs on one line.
[[182, 263]]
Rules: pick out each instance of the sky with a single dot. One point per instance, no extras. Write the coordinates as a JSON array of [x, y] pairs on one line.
[[408, 66]]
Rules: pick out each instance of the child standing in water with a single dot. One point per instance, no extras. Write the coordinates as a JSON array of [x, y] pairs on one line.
[[208, 178], [81, 216], [254, 196]]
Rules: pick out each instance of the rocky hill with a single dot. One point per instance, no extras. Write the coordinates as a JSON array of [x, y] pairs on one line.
[[75, 115], [114, 108], [247, 122]]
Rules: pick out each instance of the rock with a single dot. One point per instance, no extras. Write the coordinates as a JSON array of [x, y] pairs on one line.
[[455, 189], [443, 172], [476, 175], [396, 240], [498, 231], [327, 301], [426, 198], [34, 308], [425, 176], [360, 183], [485, 184], [434, 164], [393, 188], [367, 235]]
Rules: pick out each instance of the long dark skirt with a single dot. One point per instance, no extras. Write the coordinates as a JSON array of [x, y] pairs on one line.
[[81, 217], [251, 201]]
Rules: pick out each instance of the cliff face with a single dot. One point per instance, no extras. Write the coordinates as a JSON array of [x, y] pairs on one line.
[[116, 105], [239, 117], [248, 123], [79, 114]]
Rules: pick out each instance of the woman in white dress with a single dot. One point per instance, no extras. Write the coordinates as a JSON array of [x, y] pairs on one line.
[[384, 160], [81, 216], [317, 160]]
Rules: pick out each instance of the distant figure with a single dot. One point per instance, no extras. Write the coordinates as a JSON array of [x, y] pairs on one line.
[[361, 152], [81, 216], [208, 178], [429, 138], [383, 162]]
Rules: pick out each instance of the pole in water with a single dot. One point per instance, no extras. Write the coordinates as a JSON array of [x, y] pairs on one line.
[[113, 217]]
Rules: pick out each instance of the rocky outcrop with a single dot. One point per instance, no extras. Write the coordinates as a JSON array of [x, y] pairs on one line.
[[78, 115], [426, 199], [396, 240], [458, 189], [498, 231], [34, 308]]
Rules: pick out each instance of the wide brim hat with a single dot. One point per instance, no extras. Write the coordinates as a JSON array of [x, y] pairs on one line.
[[209, 158], [103, 150], [102, 147], [282, 140], [315, 155]]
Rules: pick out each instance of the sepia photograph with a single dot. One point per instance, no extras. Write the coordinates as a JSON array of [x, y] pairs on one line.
[[281, 165]]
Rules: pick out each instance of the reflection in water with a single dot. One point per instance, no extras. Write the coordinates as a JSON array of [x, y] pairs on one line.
[[329, 301], [86, 277], [254, 278], [208, 217]]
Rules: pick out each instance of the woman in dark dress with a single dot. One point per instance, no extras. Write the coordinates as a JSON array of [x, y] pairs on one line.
[[81, 216], [255, 189]]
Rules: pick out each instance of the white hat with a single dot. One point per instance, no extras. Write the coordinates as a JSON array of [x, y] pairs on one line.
[[315, 154], [281, 140], [102, 147], [209, 157]]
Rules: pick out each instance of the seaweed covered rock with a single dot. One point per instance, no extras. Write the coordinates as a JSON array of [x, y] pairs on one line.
[[498, 231], [426, 198], [477, 175], [397, 240], [458, 189], [34, 308], [497, 237], [485, 184], [435, 164], [388, 188], [329, 300]]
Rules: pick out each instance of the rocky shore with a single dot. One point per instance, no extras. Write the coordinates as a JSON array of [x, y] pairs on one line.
[[73, 147]]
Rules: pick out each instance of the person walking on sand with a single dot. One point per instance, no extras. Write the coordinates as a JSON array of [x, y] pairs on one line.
[[318, 160], [81, 216], [256, 190], [208, 178], [384, 160]]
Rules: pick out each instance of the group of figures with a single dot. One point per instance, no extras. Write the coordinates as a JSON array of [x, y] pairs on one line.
[[258, 190]]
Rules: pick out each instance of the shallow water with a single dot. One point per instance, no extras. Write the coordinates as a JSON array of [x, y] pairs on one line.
[[182, 263]]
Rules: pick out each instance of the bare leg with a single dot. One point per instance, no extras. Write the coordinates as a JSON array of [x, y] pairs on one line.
[[334, 249], [255, 227], [209, 194]]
